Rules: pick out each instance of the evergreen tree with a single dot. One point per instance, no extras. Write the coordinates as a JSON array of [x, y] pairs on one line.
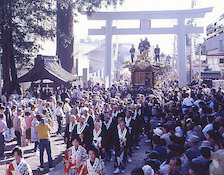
[[22, 24]]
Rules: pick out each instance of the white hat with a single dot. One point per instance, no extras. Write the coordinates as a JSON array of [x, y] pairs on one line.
[[148, 170], [67, 99], [85, 109], [158, 132]]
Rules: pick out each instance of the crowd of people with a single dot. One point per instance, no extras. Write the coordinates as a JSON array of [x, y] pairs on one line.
[[183, 127]]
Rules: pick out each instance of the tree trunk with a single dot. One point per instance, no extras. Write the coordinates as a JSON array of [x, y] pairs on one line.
[[6, 35], [15, 84], [64, 32]]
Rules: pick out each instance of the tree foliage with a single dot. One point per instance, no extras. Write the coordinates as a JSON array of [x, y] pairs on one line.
[[23, 23], [31, 20]]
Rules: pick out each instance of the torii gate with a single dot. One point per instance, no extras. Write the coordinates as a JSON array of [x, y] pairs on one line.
[[145, 18]]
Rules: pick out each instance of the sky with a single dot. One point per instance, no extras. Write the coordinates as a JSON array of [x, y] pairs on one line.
[[165, 41]]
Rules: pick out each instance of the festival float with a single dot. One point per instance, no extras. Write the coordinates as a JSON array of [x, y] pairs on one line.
[[144, 71]]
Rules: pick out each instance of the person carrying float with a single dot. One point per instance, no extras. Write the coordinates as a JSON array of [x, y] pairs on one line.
[[84, 131], [98, 137], [121, 140]]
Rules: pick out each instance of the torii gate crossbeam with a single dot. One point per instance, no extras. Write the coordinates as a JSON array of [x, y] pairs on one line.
[[144, 17]]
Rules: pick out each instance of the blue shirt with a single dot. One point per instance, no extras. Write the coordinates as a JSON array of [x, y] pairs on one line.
[[162, 152]]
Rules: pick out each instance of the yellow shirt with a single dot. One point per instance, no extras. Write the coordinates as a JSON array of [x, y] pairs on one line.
[[43, 131]]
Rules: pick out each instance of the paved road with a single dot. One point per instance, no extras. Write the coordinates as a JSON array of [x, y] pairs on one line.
[[58, 148], [137, 161]]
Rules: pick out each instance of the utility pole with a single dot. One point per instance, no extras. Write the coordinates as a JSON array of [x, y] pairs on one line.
[[199, 76], [192, 51], [175, 53]]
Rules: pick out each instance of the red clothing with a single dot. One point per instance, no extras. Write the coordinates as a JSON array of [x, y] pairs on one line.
[[10, 169], [73, 159]]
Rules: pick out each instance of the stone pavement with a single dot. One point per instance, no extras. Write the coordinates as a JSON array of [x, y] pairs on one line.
[[57, 149], [137, 161]]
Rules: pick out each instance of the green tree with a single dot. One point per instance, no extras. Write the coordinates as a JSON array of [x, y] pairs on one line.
[[66, 9], [22, 24]]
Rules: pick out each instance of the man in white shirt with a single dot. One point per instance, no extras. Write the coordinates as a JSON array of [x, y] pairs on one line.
[[40, 107], [80, 93], [74, 93], [187, 102], [199, 99], [3, 128], [67, 110], [209, 126], [59, 114]]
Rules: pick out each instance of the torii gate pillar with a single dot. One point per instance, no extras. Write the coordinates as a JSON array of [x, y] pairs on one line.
[[181, 45], [108, 53]]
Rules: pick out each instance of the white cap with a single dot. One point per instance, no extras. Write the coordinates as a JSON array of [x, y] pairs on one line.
[[85, 109], [158, 132], [148, 170]]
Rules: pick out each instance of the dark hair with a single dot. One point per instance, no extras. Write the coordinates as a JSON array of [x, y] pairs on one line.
[[171, 147], [153, 155], [166, 127], [163, 142], [199, 96], [155, 164], [210, 118], [198, 166], [206, 152], [39, 117], [216, 107], [76, 137], [190, 126], [14, 107], [94, 149], [2, 116], [18, 150], [215, 135], [177, 160], [137, 171], [27, 113], [201, 103], [170, 155], [156, 140], [216, 125], [2, 108], [190, 114], [60, 103], [177, 140], [179, 148], [194, 109]]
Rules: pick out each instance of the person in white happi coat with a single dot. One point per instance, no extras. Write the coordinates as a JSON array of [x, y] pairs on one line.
[[122, 143], [69, 131]]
